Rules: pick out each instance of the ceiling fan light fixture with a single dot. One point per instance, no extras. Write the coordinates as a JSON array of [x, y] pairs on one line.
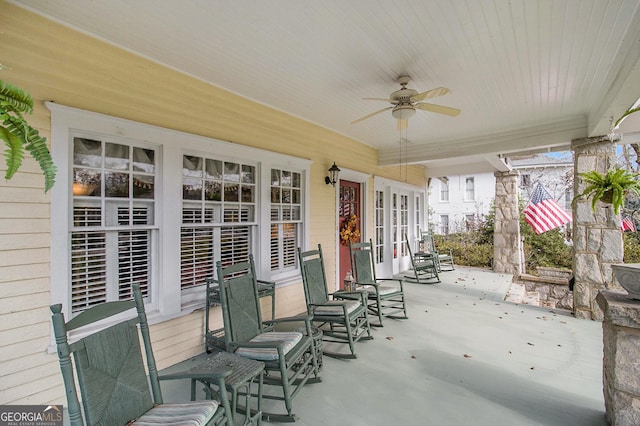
[[403, 112]]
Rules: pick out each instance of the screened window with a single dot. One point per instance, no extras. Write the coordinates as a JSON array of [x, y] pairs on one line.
[[444, 224], [218, 214], [470, 193], [444, 189], [286, 218], [379, 226], [404, 223], [113, 221]]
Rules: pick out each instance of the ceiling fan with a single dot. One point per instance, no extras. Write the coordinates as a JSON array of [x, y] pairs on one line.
[[404, 103]]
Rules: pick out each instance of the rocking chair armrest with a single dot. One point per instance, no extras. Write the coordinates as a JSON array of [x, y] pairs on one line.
[[214, 373], [351, 295], [297, 318]]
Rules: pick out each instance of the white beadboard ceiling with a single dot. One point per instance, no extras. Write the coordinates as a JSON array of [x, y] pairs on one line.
[[528, 75]]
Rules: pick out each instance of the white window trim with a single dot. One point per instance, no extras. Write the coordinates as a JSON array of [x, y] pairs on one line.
[[167, 297]]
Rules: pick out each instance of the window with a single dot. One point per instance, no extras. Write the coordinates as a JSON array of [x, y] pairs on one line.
[[218, 214], [118, 221], [444, 189], [286, 218], [394, 224], [469, 221], [444, 224], [418, 215], [469, 194], [379, 227], [113, 220], [525, 180], [404, 223]]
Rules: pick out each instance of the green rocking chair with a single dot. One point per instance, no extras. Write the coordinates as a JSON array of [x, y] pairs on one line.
[[424, 266], [385, 295], [289, 356], [342, 320], [111, 373]]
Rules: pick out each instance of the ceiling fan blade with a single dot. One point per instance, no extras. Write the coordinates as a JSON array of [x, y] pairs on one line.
[[403, 124], [438, 109], [430, 94], [370, 115]]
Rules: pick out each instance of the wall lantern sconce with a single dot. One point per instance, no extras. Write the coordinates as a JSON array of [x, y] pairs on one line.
[[333, 175]]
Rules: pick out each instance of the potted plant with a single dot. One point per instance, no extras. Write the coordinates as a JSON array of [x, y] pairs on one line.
[[609, 188], [18, 135]]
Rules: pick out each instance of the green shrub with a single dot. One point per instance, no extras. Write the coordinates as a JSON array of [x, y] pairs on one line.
[[631, 247]]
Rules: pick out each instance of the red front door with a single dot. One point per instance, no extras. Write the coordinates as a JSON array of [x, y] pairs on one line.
[[348, 206]]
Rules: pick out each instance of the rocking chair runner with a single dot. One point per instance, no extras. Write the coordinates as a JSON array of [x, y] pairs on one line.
[[423, 266], [112, 378], [341, 321], [385, 295], [289, 357]]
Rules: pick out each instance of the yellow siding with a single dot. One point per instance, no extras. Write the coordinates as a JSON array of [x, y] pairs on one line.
[[55, 63]]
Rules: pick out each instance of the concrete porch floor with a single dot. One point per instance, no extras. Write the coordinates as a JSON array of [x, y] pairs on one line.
[[464, 357]]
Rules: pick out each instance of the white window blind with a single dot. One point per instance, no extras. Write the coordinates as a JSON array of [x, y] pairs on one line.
[[218, 215], [113, 214], [286, 218]]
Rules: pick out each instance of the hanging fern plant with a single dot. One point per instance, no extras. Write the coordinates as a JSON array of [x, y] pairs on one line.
[[609, 188], [19, 136]]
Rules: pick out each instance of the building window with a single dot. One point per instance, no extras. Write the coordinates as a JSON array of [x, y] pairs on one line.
[[379, 227], [418, 216], [394, 224], [218, 213], [444, 224], [286, 218], [469, 186], [117, 222], [525, 180], [113, 220], [404, 223], [444, 189], [469, 221]]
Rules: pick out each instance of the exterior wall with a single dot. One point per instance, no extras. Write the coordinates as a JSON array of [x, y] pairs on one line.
[[457, 207], [55, 63]]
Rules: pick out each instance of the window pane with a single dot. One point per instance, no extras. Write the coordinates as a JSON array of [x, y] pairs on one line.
[[214, 169], [231, 192], [88, 270], [213, 190], [191, 189], [191, 166], [86, 182], [248, 174], [247, 194], [87, 152], [144, 160], [134, 264], [196, 256], [116, 184], [231, 172], [143, 186], [116, 156]]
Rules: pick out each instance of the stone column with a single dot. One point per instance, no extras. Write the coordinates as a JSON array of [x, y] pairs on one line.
[[507, 246], [597, 238], [621, 361]]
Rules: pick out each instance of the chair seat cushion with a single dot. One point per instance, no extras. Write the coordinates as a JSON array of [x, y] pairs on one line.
[[183, 413], [382, 289], [291, 339], [334, 307]]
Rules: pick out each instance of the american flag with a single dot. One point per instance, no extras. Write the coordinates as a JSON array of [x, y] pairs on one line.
[[627, 224], [543, 213]]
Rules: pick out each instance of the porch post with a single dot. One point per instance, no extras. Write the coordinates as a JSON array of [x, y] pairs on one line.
[[507, 246], [597, 238]]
